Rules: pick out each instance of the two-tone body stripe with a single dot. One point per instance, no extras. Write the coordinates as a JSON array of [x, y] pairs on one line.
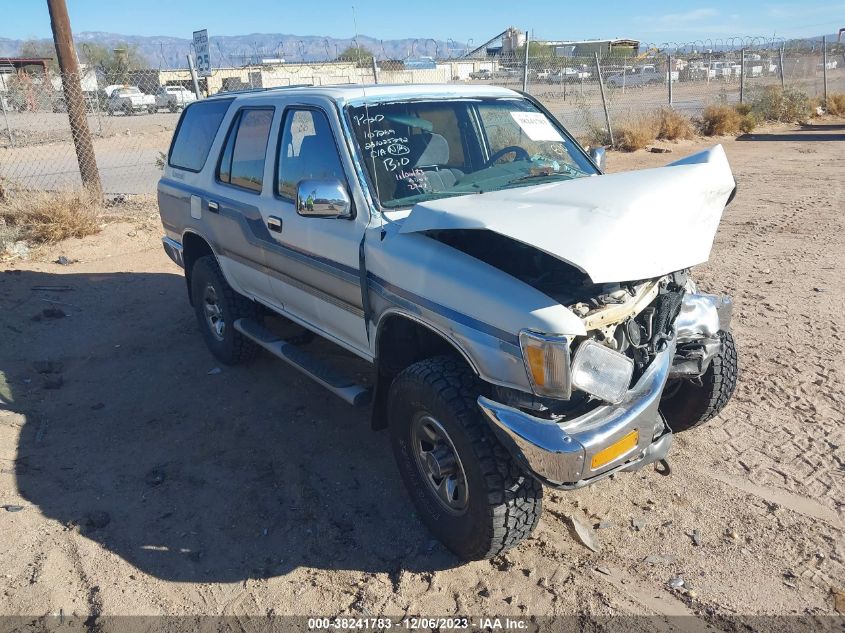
[[258, 235]]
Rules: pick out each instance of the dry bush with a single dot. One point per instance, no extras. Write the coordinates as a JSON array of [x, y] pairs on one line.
[[743, 108], [836, 104], [48, 217], [637, 132], [719, 120], [774, 103], [674, 125], [747, 123]]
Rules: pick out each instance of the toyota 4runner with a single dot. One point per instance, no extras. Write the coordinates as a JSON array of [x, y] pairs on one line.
[[530, 321]]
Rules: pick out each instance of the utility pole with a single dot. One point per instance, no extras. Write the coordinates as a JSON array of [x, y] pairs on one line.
[[69, 67]]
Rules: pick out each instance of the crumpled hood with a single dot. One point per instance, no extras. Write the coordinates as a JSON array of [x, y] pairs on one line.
[[615, 227]]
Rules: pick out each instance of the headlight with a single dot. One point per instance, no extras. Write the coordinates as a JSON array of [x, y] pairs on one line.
[[601, 372], [547, 363]]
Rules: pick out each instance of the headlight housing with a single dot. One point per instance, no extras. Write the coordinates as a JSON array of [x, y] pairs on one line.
[[546, 360], [601, 372]]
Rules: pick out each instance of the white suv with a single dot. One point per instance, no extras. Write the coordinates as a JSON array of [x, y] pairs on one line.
[[529, 320]]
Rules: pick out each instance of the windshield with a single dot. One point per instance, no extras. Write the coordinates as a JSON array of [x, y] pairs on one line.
[[421, 150]]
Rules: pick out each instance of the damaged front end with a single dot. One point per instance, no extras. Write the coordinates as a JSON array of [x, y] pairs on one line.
[[641, 337]]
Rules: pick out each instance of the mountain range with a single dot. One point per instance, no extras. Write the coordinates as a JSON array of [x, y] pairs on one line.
[[236, 50]]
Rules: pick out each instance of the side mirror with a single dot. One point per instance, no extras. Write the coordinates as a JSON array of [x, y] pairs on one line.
[[599, 156], [323, 199]]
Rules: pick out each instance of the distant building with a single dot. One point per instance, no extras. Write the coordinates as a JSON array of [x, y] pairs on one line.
[[604, 48]]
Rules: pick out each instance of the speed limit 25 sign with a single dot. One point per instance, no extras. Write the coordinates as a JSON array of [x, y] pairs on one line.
[[201, 49]]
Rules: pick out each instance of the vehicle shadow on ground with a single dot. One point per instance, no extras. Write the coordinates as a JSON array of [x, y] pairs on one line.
[[807, 133], [190, 475]]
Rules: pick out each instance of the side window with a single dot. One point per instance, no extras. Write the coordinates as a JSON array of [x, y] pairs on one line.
[[242, 160], [307, 151], [195, 133]]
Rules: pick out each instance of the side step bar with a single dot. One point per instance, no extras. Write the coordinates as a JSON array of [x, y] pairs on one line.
[[305, 362]]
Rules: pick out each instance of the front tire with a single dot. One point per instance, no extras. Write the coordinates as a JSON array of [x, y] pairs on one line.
[[217, 306], [688, 405], [465, 485]]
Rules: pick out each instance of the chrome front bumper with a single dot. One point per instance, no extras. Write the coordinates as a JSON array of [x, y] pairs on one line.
[[560, 453]]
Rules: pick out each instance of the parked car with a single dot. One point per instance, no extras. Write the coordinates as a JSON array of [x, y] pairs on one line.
[[569, 75], [481, 74], [174, 98], [92, 101], [642, 76], [545, 332], [130, 100]]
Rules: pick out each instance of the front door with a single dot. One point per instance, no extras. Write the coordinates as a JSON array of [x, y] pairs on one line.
[[315, 267]]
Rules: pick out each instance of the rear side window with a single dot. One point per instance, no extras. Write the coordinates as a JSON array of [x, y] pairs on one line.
[[242, 161], [195, 134]]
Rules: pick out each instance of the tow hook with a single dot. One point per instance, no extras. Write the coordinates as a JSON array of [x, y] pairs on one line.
[[662, 467]]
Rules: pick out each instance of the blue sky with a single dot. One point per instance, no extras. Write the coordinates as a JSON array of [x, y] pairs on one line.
[[678, 21]]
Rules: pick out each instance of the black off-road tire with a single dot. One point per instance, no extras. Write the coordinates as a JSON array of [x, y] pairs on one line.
[[233, 348], [504, 502], [689, 405]]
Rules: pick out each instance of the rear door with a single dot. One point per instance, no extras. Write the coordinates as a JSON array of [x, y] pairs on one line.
[[235, 197]]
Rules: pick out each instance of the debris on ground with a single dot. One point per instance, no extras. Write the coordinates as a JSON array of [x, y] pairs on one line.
[[50, 313], [65, 261], [696, 537], [732, 534], [659, 559], [154, 478], [215, 371], [12, 508], [53, 288], [583, 533], [602, 570], [676, 583], [838, 599], [659, 150], [604, 525], [638, 523]]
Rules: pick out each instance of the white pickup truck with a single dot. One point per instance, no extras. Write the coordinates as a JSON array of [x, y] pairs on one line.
[[174, 98], [528, 320], [129, 100], [641, 76]]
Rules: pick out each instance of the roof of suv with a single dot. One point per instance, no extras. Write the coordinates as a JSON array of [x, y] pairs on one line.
[[380, 92]]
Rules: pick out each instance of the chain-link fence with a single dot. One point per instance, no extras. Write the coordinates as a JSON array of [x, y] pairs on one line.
[[131, 118]]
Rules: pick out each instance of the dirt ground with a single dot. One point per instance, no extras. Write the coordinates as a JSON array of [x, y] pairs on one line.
[[147, 483]]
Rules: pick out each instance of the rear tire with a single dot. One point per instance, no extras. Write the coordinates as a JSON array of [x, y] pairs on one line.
[[487, 502], [217, 307], [689, 405]]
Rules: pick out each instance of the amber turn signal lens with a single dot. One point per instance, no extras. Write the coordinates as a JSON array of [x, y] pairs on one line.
[[617, 449]]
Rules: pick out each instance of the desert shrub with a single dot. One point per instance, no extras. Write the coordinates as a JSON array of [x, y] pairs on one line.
[[596, 135], [720, 119], [747, 123], [835, 104], [47, 217], [637, 132], [774, 103], [674, 125], [743, 108]]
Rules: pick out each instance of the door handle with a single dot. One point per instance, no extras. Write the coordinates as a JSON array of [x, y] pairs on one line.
[[274, 224], [213, 206]]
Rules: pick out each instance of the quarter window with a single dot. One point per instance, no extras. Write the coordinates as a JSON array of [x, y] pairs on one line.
[[195, 133], [307, 151], [243, 157]]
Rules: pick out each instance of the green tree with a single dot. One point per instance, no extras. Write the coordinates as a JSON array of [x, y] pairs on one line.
[[363, 57], [114, 63], [40, 48]]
